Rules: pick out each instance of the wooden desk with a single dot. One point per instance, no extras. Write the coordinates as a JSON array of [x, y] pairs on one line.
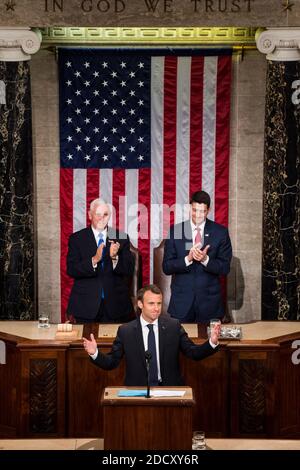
[[139, 423], [249, 389]]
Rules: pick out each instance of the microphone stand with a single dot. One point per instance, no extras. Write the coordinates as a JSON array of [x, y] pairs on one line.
[[148, 357]]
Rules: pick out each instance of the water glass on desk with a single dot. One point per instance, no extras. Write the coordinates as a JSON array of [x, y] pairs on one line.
[[43, 321], [198, 441]]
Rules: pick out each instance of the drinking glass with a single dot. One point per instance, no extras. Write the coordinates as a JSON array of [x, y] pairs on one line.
[[198, 441], [43, 321]]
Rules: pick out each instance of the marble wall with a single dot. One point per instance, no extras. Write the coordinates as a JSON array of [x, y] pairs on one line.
[[281, 239], [246, 177], [16, 194], [246, 185], [45, 114]]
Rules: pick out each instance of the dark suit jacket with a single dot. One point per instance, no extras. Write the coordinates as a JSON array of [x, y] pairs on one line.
[[172, 340], [86, 292], [197, 283]]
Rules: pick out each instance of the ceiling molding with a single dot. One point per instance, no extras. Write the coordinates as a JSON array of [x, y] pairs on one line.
[[149, 36]]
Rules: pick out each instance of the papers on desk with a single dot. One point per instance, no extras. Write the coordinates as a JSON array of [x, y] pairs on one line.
[[167, 393], [132, 393], [153, 393]]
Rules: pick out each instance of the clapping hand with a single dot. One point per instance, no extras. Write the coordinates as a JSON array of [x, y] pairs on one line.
[[98, 256], [198, 254], [113, 249]]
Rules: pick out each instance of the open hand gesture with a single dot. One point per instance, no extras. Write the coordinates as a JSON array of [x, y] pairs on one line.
[[90, 345]]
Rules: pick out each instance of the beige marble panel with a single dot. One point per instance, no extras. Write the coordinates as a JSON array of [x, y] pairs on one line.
[[233, 173], [43, 88], [45, 114], [245, 183], [45, 111], [251, 121], [249, 166], [232, 223], [48, 223], [252, 75], [49, 275], [249, 311], [249, 223], [248, 278], [47, 156], [244, 286], [234, 101], [45, 137], [47, 177]]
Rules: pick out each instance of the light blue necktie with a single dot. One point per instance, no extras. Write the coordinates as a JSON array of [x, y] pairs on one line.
[[100, 241]]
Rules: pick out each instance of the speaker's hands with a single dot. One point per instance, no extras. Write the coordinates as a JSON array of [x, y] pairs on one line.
[[90, 345]]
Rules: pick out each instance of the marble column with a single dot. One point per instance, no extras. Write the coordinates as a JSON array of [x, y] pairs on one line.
[[17, 291], [281, 205]]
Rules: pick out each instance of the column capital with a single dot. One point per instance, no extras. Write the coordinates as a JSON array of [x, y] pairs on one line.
[[280, 44], [17, 44]]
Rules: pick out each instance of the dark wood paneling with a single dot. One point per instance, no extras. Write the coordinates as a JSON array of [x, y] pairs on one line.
[[253, 388], [43, 396], [247, 389], [289, 393], [43, 368], [148, 427], [10, 374], [209, 381], [85, 385]]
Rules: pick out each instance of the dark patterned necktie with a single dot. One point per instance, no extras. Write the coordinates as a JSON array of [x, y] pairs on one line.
[[153, 371]]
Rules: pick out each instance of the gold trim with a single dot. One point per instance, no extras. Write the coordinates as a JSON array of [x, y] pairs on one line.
[[148, 36]]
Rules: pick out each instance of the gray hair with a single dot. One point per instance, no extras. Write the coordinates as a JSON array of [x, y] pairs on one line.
[[98, 202]]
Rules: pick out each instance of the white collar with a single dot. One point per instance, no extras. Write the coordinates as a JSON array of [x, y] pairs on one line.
[[96, 233], [201, 226], [145, 323]]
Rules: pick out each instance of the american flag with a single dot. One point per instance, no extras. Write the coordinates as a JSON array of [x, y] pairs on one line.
[[142, 130]]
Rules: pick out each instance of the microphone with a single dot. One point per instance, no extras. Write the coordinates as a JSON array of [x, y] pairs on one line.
[[148, 357]]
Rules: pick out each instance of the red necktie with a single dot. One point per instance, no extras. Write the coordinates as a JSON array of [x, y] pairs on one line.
[[198, 235]]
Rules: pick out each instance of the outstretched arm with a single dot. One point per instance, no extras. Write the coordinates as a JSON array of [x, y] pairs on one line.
[[198, 352], [104, 361], [90, 345]]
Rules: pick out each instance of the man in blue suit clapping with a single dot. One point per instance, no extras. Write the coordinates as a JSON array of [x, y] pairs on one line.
[[197, 252]]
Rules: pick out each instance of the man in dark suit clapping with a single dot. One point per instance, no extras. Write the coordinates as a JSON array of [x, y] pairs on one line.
[[197, 252], [100, 262]]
